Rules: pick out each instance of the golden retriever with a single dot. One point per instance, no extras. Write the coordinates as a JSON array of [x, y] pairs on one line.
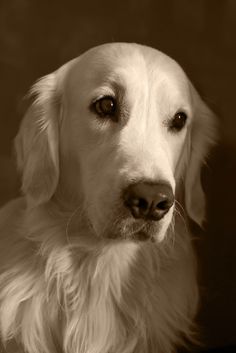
[[96, 257]]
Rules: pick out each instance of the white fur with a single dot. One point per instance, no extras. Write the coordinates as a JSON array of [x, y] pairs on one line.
[[73, 278]]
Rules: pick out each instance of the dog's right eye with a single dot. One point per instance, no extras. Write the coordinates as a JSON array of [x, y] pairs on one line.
[[178, 122], [105, 107]]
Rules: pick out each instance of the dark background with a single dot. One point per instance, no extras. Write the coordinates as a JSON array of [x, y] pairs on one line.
[[36, 37]]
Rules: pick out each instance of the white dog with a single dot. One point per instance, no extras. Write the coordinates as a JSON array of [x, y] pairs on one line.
[[95, 257]]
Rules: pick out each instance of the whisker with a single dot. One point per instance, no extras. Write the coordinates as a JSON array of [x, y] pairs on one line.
[[68, 223], [178, 204], [180, 212]]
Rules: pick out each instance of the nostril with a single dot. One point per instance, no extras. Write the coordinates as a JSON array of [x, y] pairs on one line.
[[164, 205], [138, 206], [143, 204], [138, 202]]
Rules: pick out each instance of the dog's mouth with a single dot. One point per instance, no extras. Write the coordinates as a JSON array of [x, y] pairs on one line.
[[120, 225], [142, 235], [128, 229]]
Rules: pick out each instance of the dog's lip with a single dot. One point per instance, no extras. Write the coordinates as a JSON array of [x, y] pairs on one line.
[[142, 236], [143, 232], [137, 235]]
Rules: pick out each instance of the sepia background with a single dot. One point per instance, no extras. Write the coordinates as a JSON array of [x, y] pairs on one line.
[[36, 37]]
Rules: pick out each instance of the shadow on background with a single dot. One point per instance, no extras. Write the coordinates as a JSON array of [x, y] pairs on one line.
[[36, 37]]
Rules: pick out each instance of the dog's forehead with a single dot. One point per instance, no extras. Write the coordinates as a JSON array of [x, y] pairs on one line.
[[124, 63]]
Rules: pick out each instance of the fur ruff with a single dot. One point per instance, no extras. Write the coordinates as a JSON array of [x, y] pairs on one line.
[[94, 296]]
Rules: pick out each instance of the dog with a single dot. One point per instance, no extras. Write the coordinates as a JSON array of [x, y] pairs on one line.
[[96, 257]]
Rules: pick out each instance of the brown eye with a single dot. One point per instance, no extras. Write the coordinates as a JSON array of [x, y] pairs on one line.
[[178, 122], [105, 107]]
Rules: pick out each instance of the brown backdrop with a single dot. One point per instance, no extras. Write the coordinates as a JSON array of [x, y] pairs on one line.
[[38, 36]]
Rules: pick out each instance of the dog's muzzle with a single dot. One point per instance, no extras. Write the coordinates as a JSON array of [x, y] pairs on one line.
[[149, 201]]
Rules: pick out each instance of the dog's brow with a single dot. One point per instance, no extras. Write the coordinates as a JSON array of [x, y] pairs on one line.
[[115, 86]]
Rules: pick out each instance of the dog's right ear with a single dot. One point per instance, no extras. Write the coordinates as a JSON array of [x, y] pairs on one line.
[[203, 135], [37, 143]]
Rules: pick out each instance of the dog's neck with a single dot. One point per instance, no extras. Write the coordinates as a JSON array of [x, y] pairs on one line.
[[91, 291]]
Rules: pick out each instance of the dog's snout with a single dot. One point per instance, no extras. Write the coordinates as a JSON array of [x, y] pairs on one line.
[[149, 201]]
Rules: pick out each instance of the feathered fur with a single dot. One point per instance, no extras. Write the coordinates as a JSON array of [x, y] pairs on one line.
[[66, 285]]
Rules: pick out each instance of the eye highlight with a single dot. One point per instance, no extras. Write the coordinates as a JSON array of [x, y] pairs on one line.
[[105, 107], [178, 122]]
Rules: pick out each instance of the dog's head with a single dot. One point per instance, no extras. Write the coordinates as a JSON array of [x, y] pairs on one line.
[[121, 130]]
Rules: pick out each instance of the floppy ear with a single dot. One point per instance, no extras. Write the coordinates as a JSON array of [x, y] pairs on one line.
[[37, 143], [201, 137]]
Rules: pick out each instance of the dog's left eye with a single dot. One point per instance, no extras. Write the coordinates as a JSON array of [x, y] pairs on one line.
[[178, 122], [105, 107]]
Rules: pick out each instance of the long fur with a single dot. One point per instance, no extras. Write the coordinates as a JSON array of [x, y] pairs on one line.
[[63, 289]]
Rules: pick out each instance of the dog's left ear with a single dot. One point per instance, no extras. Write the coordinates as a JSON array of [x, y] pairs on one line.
[[202, 135], [37, 143]]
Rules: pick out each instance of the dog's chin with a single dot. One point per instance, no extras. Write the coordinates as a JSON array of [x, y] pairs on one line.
[[133, 230], [120, 225]]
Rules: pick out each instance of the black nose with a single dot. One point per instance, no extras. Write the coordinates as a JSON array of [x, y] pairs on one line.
[[149, 201]]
